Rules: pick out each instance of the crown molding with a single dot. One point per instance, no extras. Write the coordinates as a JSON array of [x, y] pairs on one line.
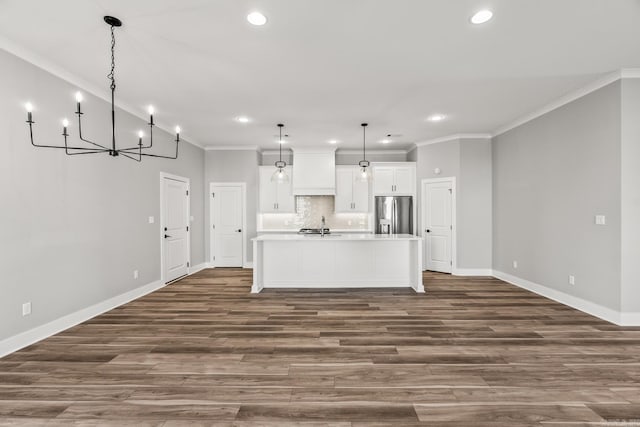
[[288, 151], [372, 151], [232, 148], [454, 137], [46, 65], [630, 73], [625, 73]]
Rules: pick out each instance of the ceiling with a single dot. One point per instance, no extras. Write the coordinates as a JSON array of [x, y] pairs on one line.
[[322, 67]]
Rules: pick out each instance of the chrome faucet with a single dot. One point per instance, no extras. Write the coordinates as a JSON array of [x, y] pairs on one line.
[[322, 227]]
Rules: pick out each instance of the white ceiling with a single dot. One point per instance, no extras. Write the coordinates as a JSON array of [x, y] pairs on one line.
[[324, 66]]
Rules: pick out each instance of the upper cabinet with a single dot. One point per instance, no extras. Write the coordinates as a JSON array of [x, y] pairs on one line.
[[274, 197], [314, 172], [394, 179], [352, 195]]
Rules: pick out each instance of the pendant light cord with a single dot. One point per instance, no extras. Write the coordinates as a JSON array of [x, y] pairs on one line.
[[280, 147], [364, 145]]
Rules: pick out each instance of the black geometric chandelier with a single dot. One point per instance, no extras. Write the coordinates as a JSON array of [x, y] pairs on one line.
[[134, 152]]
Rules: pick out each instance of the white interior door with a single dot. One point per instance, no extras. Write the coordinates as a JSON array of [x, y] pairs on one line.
[[438, 229], [175, 218], [227, 232]]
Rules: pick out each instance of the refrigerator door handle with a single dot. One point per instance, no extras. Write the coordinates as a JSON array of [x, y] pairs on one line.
[[394, 217]]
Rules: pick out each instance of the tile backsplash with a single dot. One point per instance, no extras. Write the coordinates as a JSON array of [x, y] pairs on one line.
[[309, 211]]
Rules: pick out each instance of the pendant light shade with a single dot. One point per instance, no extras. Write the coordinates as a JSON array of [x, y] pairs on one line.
[[280, 174], [364, 174]]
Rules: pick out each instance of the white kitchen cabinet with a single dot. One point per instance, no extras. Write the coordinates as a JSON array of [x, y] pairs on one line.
[[274, 197], [315, 172], [398, 179], [352, 195]]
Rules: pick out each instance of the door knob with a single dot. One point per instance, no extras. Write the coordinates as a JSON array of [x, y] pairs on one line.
[[166, 235], [428, 231], [239, 230]]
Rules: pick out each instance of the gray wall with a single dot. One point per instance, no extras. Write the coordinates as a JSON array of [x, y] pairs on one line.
[[234, 166], [469, 161], [475, 204], [630, 236], [550, 177], [75, 228]]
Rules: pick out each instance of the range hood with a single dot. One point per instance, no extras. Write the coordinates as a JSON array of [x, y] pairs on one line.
[[314, 173]]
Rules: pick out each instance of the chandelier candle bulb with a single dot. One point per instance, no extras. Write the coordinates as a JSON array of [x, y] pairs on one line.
[[177, 133], [151, 111], [65, 124], [78, 101], [29, 107]]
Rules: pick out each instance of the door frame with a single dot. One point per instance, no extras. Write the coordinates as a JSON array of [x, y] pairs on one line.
[[163, 176], [243, 197], [454, 227]]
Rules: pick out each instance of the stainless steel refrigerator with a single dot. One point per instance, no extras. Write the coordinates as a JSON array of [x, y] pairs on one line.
[[394, 215]]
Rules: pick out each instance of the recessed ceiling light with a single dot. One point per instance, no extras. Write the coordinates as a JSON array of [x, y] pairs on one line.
[[385, 141], [437, 117], [333, 141], [243, 119], [256, 18], [481, 17]]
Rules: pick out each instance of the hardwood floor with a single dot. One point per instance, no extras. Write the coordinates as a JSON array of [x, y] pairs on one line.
[[203, 351]]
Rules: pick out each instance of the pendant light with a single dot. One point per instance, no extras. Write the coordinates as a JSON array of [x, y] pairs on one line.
[[280, 175], [365, 167]]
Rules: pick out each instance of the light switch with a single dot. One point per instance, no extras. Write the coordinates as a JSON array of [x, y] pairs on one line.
[[151, 220], [601, 220]]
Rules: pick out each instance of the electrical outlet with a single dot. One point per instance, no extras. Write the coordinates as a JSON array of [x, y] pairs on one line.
[[572, 280], [151, 220], [515, 264], [601, 220], [26, 308], [135, 274]]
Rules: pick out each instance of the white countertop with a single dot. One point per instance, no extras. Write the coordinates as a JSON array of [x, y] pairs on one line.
[[336, 236]]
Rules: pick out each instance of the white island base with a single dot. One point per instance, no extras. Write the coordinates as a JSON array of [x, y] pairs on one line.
[[337, 261]]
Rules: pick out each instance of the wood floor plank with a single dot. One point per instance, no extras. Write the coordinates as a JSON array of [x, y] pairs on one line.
[[204, 351]]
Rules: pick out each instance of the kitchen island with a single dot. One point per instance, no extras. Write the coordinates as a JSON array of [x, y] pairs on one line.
[[337, 261]]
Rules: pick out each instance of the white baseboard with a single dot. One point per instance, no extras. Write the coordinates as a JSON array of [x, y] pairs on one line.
[[198, 267], [247, 264], [473, 272], [588, 307], [24, 339], [629, 319], [39, 333]]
